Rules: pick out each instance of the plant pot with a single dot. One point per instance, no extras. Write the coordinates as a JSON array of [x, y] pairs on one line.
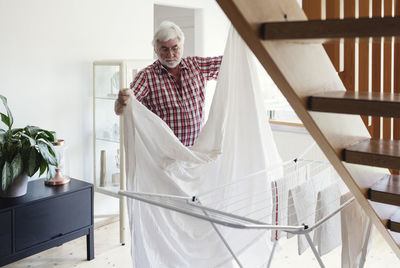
[[17, 188]]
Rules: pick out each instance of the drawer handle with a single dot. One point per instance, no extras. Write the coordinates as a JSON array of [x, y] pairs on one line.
[[60, 234]]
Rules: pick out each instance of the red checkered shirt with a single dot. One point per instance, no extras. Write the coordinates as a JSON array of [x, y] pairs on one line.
[[180, 106]]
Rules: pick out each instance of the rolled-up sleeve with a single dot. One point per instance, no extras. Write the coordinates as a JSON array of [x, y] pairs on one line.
[[209, 66]]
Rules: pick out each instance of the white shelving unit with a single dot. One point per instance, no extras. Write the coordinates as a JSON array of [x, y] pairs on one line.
[[108, 139]]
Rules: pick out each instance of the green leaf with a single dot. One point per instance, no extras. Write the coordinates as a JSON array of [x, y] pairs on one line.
[[2, 136], [51, 172], [52, 150], [16, 130], [47, 156], [32, 141], [5, 176], [16, 166], [6, 120], [32, 130], [43, 167], [46, 135], [9, 115], [32, 163], [51, 135]]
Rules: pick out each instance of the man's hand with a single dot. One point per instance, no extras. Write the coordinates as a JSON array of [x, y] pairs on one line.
[[124, 97]]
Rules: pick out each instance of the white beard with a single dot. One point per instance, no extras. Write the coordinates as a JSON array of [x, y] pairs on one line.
[[171, 63]]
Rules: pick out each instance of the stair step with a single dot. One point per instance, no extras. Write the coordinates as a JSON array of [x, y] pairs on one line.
[[374, 152], [387, 190], [331, 28], [394, 222], [362, 103]]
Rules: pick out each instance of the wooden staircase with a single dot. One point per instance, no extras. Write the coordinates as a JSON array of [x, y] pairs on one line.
[[370, 152], [278, 33]]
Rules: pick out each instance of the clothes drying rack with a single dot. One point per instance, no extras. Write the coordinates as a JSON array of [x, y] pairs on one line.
[[222, 206]]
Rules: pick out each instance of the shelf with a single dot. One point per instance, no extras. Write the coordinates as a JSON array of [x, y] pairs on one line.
[[107, 98], [108, 140]]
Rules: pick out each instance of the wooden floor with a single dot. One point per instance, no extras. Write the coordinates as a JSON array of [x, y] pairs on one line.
[[109, 253]]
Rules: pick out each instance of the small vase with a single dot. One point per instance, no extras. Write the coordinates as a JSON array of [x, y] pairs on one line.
[[17, 188]]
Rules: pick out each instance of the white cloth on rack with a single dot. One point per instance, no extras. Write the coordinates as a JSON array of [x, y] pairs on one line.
[[327, 236], [280, 199], [280, 195], [354, 232], [235, 141], [301, 175], [304, 201]]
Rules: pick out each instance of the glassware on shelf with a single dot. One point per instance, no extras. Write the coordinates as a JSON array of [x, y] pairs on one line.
[[115, 178], [106, 81], [114, 85], [62, 170], [115, 131]]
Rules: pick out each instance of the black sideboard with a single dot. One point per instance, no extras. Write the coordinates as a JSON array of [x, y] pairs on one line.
[[47, 216]]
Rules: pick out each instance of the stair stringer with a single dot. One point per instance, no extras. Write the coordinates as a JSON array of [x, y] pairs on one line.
[[301, 70]]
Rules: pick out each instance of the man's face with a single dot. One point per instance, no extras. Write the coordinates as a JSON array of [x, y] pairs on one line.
[[169, 53]]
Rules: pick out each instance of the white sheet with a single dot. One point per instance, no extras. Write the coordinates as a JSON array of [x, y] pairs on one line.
[[235, 141]]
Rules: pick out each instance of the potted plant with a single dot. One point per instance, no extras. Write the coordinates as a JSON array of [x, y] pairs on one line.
[[23, 152]]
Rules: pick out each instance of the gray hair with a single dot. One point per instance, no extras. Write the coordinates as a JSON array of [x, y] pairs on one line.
[[167, 30]]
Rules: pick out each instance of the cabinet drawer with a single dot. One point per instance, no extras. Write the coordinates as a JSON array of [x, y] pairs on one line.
[[5, 233], [52, 218]]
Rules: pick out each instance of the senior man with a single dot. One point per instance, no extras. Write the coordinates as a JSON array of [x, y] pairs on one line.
[[173, 87]]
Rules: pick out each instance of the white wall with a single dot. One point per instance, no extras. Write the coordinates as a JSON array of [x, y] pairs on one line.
[[46, 52], [293, 142]]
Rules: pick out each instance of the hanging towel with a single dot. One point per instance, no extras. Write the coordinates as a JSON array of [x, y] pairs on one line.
[[282, 205], [235, 141], [327, 236], [298, 177], [304, 201], [354, 232], [280, 195]]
